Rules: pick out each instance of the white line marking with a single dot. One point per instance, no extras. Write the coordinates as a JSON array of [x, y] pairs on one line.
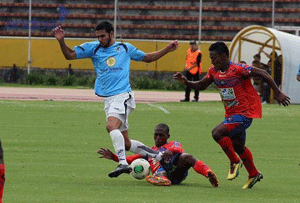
[[159, 107]]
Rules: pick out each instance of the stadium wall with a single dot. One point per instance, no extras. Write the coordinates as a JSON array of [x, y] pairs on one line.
[[46, 54]]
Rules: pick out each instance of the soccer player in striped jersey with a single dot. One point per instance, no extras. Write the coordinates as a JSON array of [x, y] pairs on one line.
[[174, 166], [241, 103]]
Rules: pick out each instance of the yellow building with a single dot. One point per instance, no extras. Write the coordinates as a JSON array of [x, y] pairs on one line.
[[46, 53]]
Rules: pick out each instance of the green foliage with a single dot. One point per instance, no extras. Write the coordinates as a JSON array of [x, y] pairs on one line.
[[141, 83], [147, 83], [83, 81], [34, 79], [50, 153], [51, 80], [68, 80]]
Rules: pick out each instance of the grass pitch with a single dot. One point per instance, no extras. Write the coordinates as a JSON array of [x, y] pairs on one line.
[[50, 153]]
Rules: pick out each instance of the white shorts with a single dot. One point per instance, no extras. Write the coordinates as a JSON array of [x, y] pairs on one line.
[[120, 106]]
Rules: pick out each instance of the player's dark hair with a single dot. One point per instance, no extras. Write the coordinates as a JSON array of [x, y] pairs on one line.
[[164, 127], [220, 48], [105, 25]]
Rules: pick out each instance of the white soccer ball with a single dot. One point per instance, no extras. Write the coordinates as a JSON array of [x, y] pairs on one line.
[[140, 168]]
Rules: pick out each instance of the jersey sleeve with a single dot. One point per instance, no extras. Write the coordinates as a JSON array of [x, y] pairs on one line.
[[244, 70], [209, 74], [135, 53], [84, 50], [176, 148]]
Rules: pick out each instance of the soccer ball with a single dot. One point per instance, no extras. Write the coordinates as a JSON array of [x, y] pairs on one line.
[[140, 168]]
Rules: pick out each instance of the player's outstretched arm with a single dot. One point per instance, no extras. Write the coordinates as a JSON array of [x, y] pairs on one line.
[[60, 36], [153, 56], [200, 85], [278, 95]]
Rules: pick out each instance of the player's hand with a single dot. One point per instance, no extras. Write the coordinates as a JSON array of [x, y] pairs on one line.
[[173, 45], [167, 156], [180, 77], [282, 98], [106, 153], [58, 33]]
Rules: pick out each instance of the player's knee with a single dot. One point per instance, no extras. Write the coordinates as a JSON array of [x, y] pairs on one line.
[[219, 132], [216, 134], [187, 159], [110, 127]]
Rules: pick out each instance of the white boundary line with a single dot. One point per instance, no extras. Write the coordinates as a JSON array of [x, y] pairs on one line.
[[160, 107]]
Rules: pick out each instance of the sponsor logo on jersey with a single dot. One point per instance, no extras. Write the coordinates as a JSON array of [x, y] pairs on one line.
[[111, 61]]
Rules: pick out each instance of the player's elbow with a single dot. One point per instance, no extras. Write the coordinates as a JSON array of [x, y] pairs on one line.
[[148, 59], [70, 56]]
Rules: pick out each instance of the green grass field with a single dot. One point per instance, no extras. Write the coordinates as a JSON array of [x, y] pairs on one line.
[[50, 153]]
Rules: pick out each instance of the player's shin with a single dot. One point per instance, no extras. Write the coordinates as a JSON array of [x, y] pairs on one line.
[[227, 146], [247, 158], [139, 148], [201, 168], [119, 145]]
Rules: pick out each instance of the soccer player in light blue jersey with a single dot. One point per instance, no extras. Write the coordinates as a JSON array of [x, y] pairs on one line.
[[111, 61]]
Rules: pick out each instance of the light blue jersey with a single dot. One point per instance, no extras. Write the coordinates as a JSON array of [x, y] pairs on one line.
[[111, 65], [298, 71]]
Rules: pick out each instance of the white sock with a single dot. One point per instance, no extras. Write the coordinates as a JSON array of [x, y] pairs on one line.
[[119, 145], [139, 148]]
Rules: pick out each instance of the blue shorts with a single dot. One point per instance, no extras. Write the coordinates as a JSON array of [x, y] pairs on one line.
[[236, 126], [174, 173]]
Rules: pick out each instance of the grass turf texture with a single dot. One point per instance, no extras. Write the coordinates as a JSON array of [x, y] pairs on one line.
[[50, 153]]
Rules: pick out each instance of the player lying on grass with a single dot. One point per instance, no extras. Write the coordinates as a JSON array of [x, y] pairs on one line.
[[174, 166], [241, 103]]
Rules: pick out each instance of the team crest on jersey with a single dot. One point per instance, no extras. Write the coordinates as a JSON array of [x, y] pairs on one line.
[[222, 82], [111, 61], [118, 49]]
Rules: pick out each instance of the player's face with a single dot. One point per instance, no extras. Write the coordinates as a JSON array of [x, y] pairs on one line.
[[160, 137], [193, 47], [217, 60], [105, 38]]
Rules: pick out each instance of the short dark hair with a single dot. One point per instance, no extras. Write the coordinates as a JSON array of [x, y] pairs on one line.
[[164, 127], [220, 48], [105, 25], [193, 42]]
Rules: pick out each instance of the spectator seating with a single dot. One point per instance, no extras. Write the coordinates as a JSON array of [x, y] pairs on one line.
[[146, 21]]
